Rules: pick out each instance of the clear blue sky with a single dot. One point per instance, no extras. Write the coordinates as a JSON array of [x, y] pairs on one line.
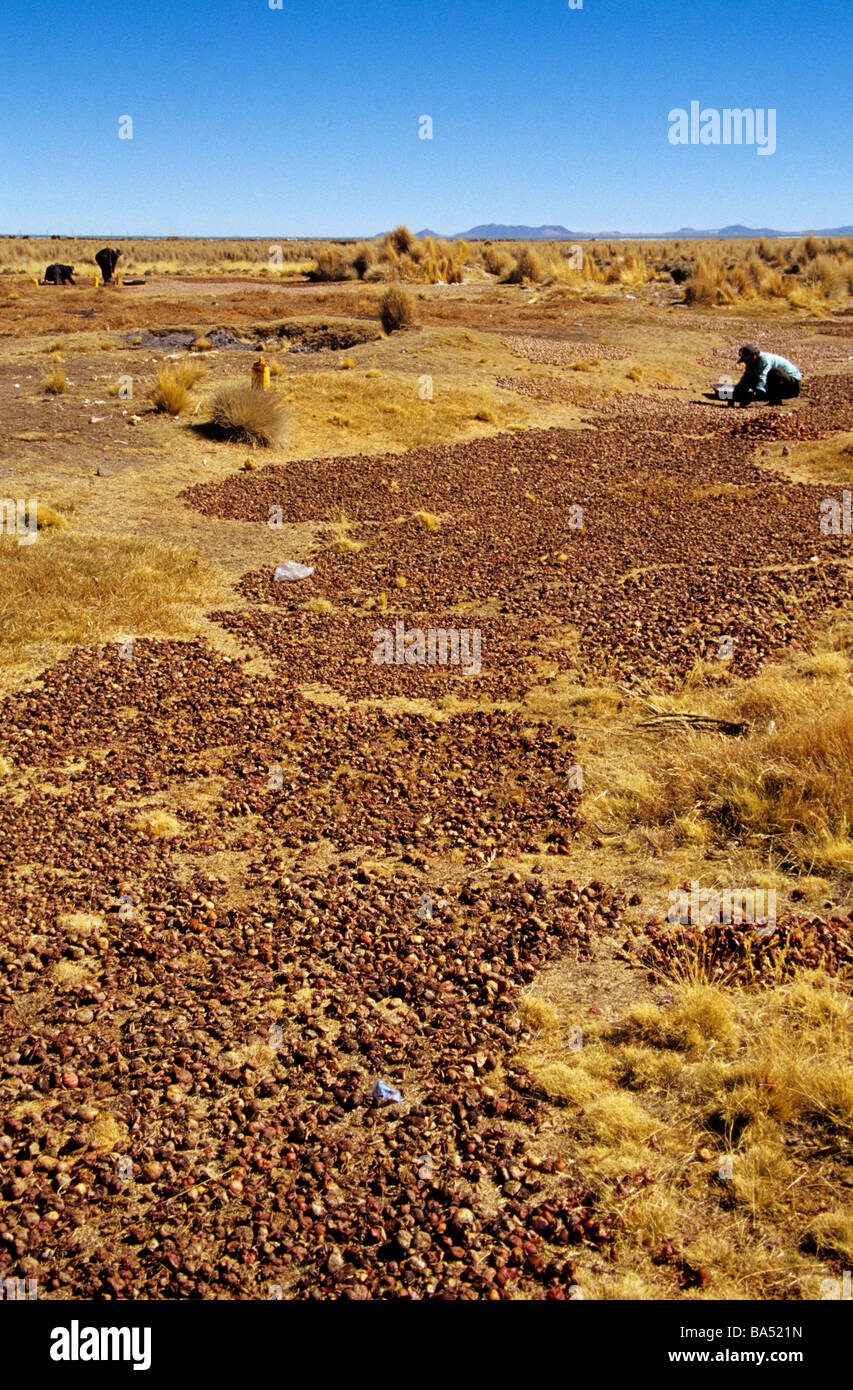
[[304, 120]]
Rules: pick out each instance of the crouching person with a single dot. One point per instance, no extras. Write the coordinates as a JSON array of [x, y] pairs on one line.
[[59, 275], [767, 377]]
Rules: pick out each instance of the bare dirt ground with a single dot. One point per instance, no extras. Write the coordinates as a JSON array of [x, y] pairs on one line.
[[251, 877]]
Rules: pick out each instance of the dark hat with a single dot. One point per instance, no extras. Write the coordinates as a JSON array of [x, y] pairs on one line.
[[748, 350]]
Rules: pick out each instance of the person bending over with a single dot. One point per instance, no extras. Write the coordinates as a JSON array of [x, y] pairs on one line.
[[767, 377], [107, 260]]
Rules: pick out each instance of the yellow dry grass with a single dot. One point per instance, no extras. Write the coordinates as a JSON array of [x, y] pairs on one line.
[[81, 923], [68, 589], [397, 309], [157, 825], [335, 410], [48, 518], [721, 1097], [805, 273], [170, 393], [247, 416], [107, 1133], [714, 1072], [254, 257], [818, 460], [785, 786], [831, 1233], [57, 383], [75, 972]]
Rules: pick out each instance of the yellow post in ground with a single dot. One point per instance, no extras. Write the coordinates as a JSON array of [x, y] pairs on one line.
[[261, 375]]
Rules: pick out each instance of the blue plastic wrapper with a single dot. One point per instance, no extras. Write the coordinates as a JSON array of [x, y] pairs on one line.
[[382, 1091]]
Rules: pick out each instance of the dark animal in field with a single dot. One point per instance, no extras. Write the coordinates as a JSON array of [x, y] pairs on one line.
[[106, 260], [59, 275]]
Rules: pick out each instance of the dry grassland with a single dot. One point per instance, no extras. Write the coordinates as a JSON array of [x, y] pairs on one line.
[[709, 1117]]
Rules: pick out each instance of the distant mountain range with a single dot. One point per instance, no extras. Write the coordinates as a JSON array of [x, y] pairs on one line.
[[499, 231]]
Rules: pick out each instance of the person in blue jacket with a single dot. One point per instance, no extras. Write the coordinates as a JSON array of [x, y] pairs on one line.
[[767, 377]]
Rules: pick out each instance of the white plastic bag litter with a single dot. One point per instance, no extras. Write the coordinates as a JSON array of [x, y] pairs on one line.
[[291, 569]]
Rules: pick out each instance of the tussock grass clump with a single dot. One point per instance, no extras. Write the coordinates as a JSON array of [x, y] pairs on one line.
[[628, 268], [364, 259], [246, 416], [401, 240], [397, 309], [633, 270], [170, 393], [702, 1015], [342, 541], [497, 261], [157, 825], [380, 274], [538, 1012], [827, 276], [188, 373], [704, 284], [57, 383], [331, 265], [486, 409], [831, 1233], [49, 517], [565, 1083], [529, 265], [436, 260]]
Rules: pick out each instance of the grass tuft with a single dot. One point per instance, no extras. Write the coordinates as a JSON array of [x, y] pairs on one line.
[[397, 309], [48, 517], [170, 394], [247, 416], [158, 825], [57, 383]]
